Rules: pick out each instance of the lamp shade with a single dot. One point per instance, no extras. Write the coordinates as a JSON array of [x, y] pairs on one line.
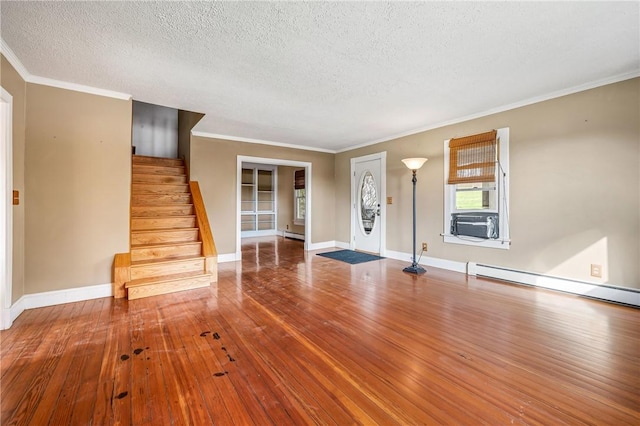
[[414, 163]]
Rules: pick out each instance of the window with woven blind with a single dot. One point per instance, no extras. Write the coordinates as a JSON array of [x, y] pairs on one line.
[[298, 182], [476, 186], [473, 158]]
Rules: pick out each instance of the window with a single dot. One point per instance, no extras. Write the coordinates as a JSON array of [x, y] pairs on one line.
[[476, 196], [476, 190], [299, 198]]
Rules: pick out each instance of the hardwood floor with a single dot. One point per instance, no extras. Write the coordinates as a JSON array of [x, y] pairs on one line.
[[289, 338]]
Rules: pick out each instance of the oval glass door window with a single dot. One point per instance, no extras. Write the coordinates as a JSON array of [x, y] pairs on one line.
[[368, 202]]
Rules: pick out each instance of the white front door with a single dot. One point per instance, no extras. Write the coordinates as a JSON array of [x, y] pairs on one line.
[[368, 191]]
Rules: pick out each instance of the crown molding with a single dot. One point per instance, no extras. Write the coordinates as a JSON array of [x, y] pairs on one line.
[[30, 78], [552, 95], [78, 88], [13, 60], [260, 141]]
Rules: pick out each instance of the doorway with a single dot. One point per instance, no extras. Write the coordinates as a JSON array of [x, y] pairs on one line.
[[273, 162], [368, 208]]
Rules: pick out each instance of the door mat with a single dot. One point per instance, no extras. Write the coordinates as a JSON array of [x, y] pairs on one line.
[[350, 256]]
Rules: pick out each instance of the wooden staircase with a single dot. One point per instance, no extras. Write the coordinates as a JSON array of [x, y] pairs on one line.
[[171, 247]]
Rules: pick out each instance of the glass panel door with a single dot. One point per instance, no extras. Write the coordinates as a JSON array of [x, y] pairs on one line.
[[258, 200], [368, 202], [248, 203]]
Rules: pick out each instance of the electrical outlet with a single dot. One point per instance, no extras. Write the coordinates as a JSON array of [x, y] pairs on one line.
[[389, 200], [424, 246], [596, 270]]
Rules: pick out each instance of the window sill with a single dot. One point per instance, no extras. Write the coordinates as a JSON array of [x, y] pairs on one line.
[[299, 222], [476, 242]]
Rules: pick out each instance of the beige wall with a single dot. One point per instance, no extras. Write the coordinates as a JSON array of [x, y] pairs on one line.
[[285, 200], [16, 86], [78, 173], [575, 186], [186, 121], [213, 164]]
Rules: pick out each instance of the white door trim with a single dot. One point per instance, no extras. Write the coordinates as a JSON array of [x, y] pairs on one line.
[[276, 162], [6, 208], [382, 156]]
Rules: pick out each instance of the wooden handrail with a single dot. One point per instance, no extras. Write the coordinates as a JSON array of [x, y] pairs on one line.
[[209, 250]]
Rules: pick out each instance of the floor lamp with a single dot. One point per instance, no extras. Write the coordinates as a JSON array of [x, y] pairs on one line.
[[414, 164]]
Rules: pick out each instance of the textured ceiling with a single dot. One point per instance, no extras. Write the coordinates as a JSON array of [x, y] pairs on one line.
[[326, 75]]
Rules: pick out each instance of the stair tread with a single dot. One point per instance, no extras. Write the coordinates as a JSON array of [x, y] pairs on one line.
[[159, 170], [162, 218], [156, 179], [160, 183], [161, 245], [181, 194], [155, 194], [159, 178], [168, 206], [164, 205], [148, 166], [142, 231], [133, 216], [159, 159], [158, 164], [159, 229], [165, 278], [142, 173], [175, 228], [162, 260], [166, 217], [153, 156], [138, 212]]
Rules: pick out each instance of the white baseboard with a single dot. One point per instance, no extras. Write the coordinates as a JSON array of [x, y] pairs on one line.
[[627, 296], [434, 262], [58, 297], [343, 245], [265, 233], [293, 235], [227, 257], [321, 246]]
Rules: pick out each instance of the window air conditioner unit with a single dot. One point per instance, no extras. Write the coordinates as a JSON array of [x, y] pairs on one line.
[[475, 224]]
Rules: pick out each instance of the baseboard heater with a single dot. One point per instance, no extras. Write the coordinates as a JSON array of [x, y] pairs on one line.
[[622, 295], [293, 235]]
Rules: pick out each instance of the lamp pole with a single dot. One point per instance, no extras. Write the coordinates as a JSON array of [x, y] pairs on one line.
[[414, 164]]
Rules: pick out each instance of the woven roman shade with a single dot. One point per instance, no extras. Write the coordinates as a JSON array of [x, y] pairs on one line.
[[473, 158], [298, 181]]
